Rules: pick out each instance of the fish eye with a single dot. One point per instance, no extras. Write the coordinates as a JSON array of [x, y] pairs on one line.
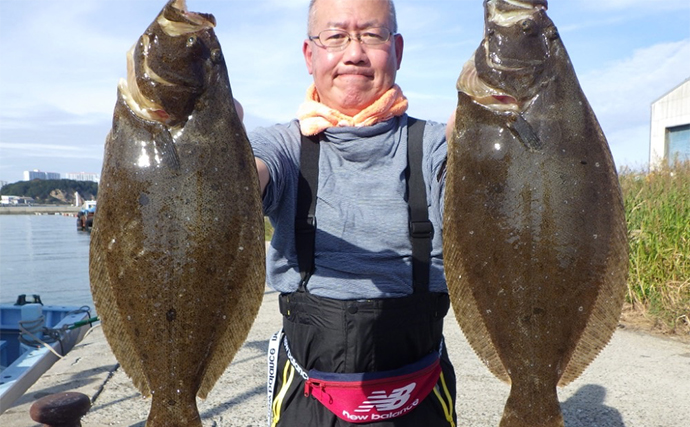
[[551, 33], [528, 26], [216, 56], [191, 41]]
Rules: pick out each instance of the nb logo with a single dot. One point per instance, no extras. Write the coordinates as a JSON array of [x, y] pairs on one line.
[[383, 402]]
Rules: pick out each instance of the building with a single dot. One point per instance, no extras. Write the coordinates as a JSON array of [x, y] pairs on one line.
[[670, 127], [15, 200], [37, 174], [83, 176]]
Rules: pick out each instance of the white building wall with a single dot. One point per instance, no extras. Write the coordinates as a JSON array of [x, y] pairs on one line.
[[83, 176], [673, 109], [37, 174]]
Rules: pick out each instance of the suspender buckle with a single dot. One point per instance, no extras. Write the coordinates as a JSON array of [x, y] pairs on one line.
[[305, 225], [421, 229]]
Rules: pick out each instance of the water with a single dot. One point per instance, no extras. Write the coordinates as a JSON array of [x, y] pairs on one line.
[[44, 255]]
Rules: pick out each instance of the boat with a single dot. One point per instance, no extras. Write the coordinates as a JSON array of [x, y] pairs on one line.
[[33, 337], [86, 215]]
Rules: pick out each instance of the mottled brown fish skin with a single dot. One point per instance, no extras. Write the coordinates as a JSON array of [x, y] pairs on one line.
[[535, 248], [177, 249]]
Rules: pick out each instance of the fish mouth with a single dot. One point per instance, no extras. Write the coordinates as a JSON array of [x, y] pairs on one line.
[[509, 13], [175, 21], [491, 97], [186, 22]]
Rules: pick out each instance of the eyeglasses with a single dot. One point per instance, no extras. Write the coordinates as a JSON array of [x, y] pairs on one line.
[[335, 40]]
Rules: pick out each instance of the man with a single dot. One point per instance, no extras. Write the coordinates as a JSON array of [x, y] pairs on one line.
[[362, 340]]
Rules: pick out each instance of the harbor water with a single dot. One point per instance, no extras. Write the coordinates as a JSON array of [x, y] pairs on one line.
[[44, 255]]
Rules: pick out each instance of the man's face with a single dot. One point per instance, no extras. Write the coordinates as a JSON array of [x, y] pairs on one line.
[[352, 79]]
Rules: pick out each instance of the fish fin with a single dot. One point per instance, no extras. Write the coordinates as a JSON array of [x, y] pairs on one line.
[[111, 320], [477, 335], [517, 414], [524, 132], [240, 319], [165, 144], [471, 321], [543, 411], [606, 310]]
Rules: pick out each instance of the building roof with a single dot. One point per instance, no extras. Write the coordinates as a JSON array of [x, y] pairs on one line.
[[672, 90]]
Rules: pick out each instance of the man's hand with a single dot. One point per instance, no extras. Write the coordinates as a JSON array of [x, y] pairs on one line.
[[240, 110], [450, 125], [264, 176], [261, 167]]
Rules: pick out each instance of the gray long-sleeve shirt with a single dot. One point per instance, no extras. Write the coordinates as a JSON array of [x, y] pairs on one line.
[[363, 249]]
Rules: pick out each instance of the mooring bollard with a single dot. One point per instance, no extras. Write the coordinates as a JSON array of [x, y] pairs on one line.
[[61, 409]]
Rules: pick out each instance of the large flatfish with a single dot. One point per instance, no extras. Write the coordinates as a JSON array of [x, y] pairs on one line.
[[177, 248], [535, 246]]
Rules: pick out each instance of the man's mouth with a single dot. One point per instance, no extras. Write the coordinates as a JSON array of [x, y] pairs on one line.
[[355, 73]]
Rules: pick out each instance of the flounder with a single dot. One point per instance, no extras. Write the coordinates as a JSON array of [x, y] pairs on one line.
[[177, 251], [535, 241]]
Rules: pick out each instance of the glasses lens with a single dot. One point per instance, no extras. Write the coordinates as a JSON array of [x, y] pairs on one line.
[[334, 38], [374, 36], [338, 39]]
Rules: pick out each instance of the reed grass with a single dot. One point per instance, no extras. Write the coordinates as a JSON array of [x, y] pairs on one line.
[[657, 206], [268, 229]]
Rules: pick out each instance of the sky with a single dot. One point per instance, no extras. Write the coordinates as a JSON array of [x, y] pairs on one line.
[[60, 62]]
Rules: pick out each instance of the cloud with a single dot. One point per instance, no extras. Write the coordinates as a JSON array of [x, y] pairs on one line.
[[638, 5], [60, 56], [44, 149], [630, 146], [263, 51], [621, 93], [300, 5], [51, 139], [623, 90], [60, 64]]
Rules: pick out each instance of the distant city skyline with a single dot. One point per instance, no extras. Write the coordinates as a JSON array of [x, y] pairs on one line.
[[76, 176]]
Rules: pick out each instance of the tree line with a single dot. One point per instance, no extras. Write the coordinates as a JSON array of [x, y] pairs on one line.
[[51, 190]]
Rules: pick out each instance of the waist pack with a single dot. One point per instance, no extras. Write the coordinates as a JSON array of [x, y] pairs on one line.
[[372, 396]]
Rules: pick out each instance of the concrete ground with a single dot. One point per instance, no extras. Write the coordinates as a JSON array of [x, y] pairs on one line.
[[639, 380]]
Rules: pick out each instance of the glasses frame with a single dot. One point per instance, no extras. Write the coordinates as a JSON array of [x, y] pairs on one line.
[[357, 36]]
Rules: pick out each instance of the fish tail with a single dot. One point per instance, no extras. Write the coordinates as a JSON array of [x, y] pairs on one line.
[[173, 412], [543, 410]]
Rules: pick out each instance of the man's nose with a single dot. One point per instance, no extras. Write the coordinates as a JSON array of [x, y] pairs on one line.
[[355, 51]]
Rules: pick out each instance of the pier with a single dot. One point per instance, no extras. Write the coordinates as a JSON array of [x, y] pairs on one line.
[[40, 210]]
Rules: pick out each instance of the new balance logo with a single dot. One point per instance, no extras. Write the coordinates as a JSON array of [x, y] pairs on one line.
[[384, 403]]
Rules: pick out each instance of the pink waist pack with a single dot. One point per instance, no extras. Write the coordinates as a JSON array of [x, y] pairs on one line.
[[375, 396]]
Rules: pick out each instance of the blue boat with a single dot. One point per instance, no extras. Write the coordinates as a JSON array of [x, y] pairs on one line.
[[33, 337]]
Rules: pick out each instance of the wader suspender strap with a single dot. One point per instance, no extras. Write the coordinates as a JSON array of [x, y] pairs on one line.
[[305, 220], [420, 228]]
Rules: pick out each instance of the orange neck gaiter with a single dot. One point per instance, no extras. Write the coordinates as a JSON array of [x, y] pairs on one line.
[[315, 117]]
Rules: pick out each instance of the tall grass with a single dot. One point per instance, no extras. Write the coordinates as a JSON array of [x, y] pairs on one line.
[[657, 206], [268, 229]]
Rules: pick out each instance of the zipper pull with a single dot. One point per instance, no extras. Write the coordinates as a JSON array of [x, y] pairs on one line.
[[309, 385]]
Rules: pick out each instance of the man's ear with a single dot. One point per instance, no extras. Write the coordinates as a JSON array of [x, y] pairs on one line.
[[308, 52], [399, 44]]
